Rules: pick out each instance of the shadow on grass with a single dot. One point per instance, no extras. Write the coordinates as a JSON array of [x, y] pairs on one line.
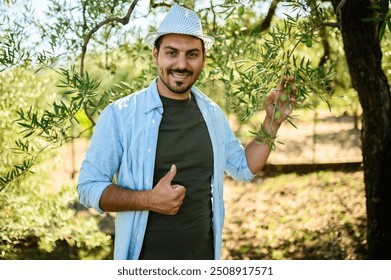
[[328, 244]]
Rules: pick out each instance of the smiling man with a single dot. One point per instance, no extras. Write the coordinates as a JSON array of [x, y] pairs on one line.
[[168, 146], [180, 59]]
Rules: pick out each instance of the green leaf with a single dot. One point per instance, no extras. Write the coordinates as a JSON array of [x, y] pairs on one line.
[[241, 10], [375, 7], [289, 88], [382, 30], [28, 134]]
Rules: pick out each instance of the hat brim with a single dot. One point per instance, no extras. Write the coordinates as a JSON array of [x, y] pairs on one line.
[[153, 36]]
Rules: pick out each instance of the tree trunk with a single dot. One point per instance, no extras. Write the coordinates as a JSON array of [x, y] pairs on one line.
[[363, 54]]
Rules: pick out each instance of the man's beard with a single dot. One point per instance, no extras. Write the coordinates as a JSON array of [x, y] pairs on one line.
[[178, 83]]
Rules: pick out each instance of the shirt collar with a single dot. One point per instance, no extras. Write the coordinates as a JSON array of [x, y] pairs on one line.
[[153, 100]]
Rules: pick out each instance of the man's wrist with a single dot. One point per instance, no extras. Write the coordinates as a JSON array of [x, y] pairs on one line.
[[270, 128], [266, 135]]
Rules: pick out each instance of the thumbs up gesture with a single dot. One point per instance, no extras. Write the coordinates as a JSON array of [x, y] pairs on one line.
[[166, 198]]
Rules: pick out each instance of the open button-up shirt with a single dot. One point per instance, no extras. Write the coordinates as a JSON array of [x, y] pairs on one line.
[[123, 147]]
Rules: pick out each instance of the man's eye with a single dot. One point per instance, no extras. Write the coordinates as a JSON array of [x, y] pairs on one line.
[[194, 55]]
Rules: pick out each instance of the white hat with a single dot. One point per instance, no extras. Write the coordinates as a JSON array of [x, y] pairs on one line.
[[180, 20]]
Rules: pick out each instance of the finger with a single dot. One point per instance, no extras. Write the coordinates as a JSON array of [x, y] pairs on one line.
[[293, 102], [281, 85], [179, 188], [170, 175], [294, 89], [271, 98]]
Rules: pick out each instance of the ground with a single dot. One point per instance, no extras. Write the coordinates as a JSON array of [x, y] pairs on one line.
[[312, 216]]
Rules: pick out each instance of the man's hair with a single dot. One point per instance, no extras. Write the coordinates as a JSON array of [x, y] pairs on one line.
[[158, 42]]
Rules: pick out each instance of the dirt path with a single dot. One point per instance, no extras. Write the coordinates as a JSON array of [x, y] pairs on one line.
[[332, 140]]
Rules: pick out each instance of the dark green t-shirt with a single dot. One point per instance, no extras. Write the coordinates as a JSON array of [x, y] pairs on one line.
[[184, 141]]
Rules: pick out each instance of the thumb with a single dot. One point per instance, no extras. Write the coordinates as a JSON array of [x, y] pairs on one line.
[[170, 174]]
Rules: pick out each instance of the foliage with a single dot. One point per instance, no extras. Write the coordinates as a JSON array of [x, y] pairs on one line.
[[243, 66], [79, 96], [18, 89], [248, 64], [38, 117], [35, 218], [381, 8], [32, 213], [11, 37]]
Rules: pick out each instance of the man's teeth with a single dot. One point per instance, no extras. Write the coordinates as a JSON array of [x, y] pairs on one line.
[[179, 75]]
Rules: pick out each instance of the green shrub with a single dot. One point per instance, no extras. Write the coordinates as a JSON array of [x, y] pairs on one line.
[[34, 216]]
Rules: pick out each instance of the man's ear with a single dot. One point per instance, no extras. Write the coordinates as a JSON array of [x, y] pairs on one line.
[[155, 53]]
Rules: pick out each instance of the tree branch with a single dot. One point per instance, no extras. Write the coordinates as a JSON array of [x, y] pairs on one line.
[[161, 4], [338, 10], [123, 20], [268, 19], [339, 13], [330, 24]]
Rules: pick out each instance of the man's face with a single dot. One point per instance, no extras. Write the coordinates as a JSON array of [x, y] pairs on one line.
[[180, 60]]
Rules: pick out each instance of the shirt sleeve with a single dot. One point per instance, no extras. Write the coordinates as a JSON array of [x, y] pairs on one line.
[[102, 160], [236, 161]]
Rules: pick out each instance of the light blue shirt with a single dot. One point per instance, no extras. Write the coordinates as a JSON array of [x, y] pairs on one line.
[[123, 147]]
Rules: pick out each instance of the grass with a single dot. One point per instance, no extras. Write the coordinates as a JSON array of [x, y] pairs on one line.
[[314, 216]]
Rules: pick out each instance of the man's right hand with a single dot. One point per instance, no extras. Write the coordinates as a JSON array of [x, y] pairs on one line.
[[166, 198]]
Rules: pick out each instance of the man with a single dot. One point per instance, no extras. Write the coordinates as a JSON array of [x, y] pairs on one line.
[[168, 147]]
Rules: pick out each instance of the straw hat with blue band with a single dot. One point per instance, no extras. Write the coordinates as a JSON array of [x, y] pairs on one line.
[[180, 20]]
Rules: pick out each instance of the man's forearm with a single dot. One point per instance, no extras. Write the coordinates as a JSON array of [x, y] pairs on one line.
[[116, 199], [257, 153], [164, 198], [278, 106]]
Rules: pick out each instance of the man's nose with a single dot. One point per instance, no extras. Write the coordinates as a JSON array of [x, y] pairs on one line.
[[182, 62]]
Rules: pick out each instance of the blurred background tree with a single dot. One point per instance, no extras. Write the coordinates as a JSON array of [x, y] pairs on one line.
[[84, 54]]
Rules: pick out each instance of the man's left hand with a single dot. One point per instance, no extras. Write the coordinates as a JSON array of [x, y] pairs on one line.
[[280, 104]]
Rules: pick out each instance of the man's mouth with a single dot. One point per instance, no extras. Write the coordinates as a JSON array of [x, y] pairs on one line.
[[180, 74]]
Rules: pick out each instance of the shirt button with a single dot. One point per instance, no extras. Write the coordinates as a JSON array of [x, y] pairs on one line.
[[153, 121], [149, 150]]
